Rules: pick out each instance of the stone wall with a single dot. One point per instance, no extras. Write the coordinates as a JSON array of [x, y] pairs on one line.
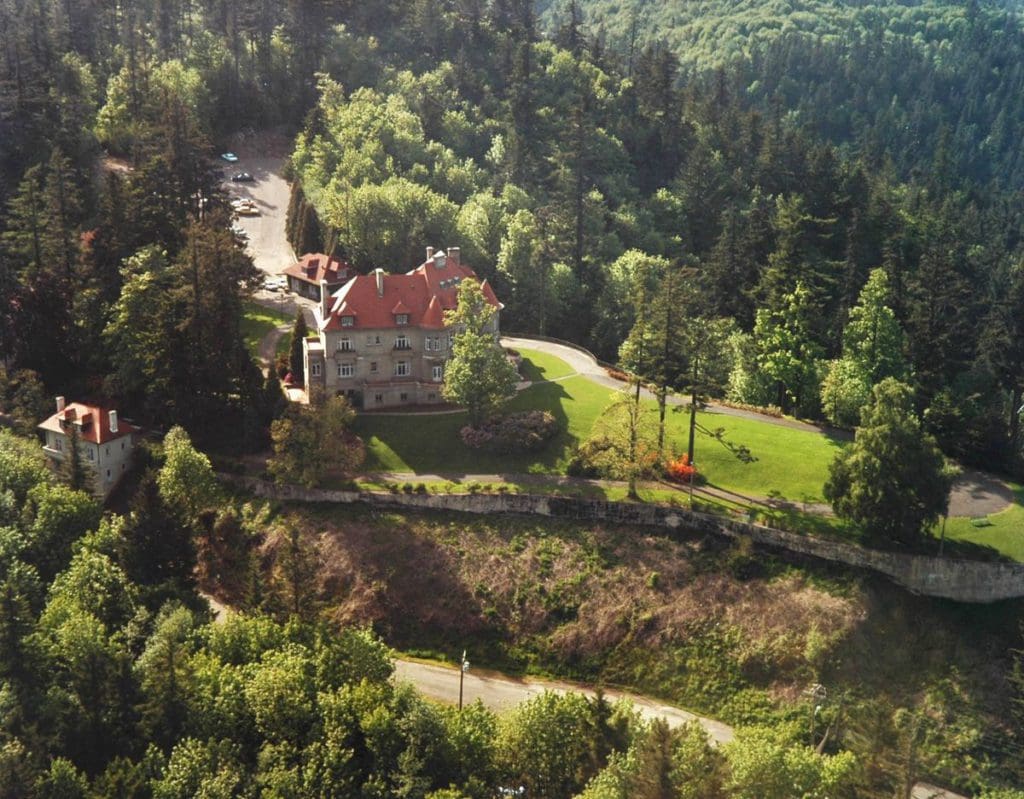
[[961, 580]]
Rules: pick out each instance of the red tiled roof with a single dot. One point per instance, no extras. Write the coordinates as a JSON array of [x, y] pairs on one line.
[[314, 267], [95, 423], [424, 294]]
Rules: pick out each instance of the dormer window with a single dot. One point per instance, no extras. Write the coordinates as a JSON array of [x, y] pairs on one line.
[[347, 321], [402, 319]]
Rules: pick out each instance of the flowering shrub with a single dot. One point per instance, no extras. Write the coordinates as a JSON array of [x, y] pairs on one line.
[[681, 470], [520, 432]]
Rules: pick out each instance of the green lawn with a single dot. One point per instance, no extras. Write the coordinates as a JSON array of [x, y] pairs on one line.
[[789, 462], [431, 444], [1005, 532], [782, 461], [257, 321]]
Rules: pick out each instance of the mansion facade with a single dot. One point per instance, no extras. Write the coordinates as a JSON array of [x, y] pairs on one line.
[[382, 339]]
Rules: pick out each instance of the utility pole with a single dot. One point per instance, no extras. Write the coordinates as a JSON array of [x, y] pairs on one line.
[[463, 668]]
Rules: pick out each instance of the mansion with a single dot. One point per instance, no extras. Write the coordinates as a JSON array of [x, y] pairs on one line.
[[382, 339]]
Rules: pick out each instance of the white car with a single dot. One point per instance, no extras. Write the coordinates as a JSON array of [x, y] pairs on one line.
[[275, 283], [245, 208]]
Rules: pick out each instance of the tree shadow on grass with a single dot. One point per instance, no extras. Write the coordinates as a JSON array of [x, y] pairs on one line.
[[431, 444]]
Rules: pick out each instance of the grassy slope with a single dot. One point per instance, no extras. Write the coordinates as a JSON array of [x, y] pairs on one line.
[[624, 607]]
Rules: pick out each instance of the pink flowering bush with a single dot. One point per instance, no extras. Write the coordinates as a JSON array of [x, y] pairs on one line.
[[519, 432]]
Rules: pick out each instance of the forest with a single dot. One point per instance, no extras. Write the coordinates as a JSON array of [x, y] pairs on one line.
[[835, 190]]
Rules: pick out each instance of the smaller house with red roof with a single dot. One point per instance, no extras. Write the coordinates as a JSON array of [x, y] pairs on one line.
[[317, 274], [383, 341], [105, 443]]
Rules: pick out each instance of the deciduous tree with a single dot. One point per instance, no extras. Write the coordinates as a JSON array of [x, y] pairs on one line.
[[478, 376]]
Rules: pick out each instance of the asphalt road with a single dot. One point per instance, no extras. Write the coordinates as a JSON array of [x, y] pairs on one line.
[[500, 693]]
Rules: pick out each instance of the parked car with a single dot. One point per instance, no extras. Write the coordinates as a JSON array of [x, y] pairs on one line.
[[245, 208], [275, 283], [231, 158], [242, 177], [239, 233]]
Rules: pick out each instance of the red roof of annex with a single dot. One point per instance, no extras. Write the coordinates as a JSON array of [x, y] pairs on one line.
[[376, 300], [315, 267], [94, 423]]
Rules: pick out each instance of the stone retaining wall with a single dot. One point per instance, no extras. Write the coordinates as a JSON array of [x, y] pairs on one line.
[[961, 580]]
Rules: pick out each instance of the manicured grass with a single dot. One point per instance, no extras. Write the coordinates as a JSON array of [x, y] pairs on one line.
[[537, 366], [431, 444], [1005, 532], [791, 463], [785, 462], [257, 321]]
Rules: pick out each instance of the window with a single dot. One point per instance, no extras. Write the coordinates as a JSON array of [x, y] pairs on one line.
[[92, 453], [122, 446], [402, 343], [403, 397], [347, 321], [315, 369], [373, 367], [108, 450], [427, 345], [108, 474], [378, 398], [437, 343], [438, 373], [345, 344], [58, 443], [431, 397], [402, 319], [346, 369], [402, 369]]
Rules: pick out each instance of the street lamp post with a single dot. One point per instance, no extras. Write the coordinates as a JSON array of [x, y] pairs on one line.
[[463, 668]]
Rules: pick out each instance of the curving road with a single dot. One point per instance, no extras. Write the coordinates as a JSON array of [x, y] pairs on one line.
[[500, 693]]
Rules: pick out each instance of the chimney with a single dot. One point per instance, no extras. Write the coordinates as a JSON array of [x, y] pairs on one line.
[[453, 255], [440, 259], [60, 404], [112, 416], [325, 301], [430, 253], [379, 274]]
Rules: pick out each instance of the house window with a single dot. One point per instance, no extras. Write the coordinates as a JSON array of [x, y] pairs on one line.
[[347, 321], [346, 369], [122, 446], [108, 450], [58, 442], [378, 398], [437, 343], [402, 343], [431, 397], [438, 372], [373, 367], [345, 344], [402, 369], [315, 369], [108, 474], [427, 345], [92, 453], [403, 397], [402, 319]]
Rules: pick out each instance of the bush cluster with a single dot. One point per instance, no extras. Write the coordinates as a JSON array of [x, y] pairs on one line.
[[519, 432]]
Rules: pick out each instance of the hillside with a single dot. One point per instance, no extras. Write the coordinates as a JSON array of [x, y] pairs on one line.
[[631, 608], [917, 84]]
